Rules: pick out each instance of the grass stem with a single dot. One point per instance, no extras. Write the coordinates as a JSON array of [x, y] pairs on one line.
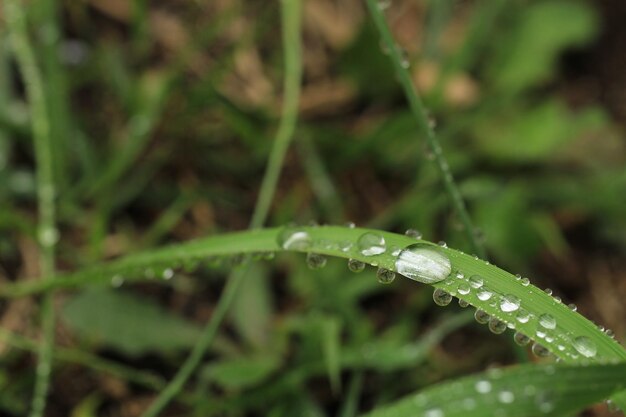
[[423, 124], [47, 232]]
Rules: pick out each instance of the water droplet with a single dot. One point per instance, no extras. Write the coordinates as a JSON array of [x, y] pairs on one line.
[[117, 281], [611, 406], [572, 307], [385, 276], [476, 281], [443, 244], [459, 275], [434, 412], [423, 263], [463, 303], [506, 397], [540, 350], [484, 294], [441, 297], [585, 346], [481, 316], [544, 402], [483, 386], [395, 251], [350, 225], [525, 282], [404, 59], [522, 316], [463, 288], [521, 339], [315, 260], [469, 403], [355, 265], [548, 291], [384, 4], [48, 236], [509, 303], [371, 244], [294, 239], [415, 234], [168, 273], [609, 333], [497, 326], [345, 246], [547, 321], [558, 300]]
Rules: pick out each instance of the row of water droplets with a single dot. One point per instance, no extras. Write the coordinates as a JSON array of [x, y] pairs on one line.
[[426, 263], [501, 400], [184, 265], [511, 312]]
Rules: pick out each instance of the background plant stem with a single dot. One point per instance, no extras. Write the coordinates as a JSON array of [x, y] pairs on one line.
[[290, 13], [47, 233], [421, 117]]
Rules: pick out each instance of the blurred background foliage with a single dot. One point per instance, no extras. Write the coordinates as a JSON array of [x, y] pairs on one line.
[[162, 117]]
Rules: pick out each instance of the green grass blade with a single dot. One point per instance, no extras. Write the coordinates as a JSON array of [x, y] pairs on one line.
[[342, 242], [563, 340], [44, 155], [525, 391]]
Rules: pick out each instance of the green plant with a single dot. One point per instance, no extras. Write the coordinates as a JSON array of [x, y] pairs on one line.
[[593, 366]]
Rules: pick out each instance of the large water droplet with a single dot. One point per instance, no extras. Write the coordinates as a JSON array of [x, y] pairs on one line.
[[371, 244], [497, 326], [294, 239], [585, 346], [547, 321], [521, 339], [441, 297], [315, 260], [481, 316], [509, 303], [423, 263], [355, 265], [385, 276], [476, 281]]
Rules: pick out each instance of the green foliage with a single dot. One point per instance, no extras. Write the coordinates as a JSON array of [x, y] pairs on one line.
[[127, 323], [522, 391], [152, 147]]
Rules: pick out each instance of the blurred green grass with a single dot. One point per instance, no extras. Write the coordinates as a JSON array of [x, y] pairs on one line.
[[163, 116]]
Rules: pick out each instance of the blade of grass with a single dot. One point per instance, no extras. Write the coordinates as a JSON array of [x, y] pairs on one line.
[[524, 391], [47, 233], [290, 14], [421, 117], [329, 240]]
